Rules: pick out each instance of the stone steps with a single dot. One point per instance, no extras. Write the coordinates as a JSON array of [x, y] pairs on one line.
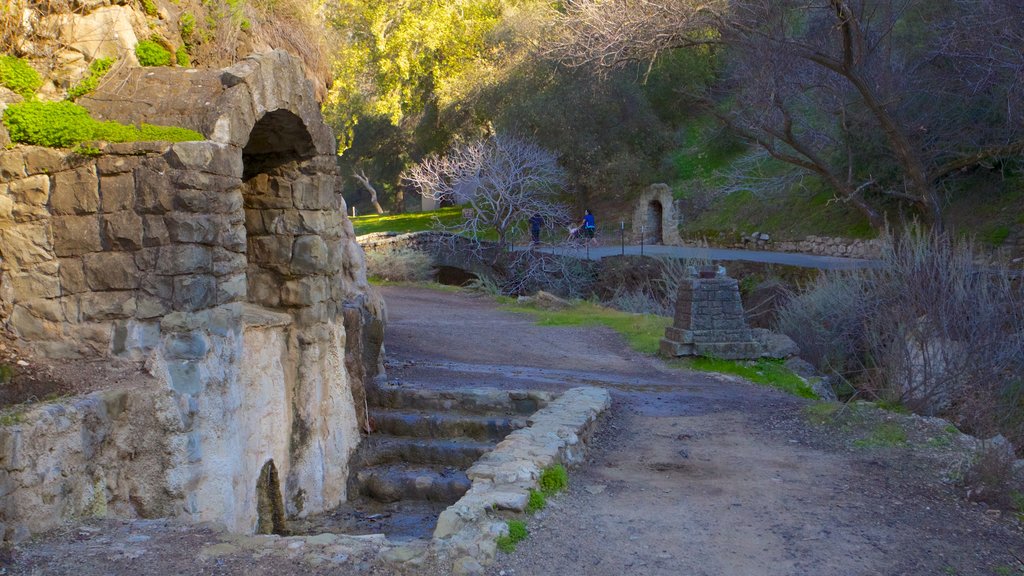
[[444, 424], [378, 449], [398, 481], [473, 401]]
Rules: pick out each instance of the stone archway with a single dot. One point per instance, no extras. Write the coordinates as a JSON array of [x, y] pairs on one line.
[[655, 217]]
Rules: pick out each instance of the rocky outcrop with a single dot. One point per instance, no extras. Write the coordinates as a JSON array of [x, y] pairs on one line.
[[228, 265]]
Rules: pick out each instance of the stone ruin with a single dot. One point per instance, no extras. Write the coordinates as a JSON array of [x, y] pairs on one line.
[[656, 217], [709, 319], [228, 267]]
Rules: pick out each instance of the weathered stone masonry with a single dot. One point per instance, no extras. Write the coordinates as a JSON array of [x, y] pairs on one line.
[[227, 264]]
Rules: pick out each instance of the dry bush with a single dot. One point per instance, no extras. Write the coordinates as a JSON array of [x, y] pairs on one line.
[[928, 328], [990, 476], [400, 265]]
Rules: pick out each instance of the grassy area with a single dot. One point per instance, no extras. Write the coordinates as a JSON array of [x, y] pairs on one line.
[[768, 372], [641, 331], [406, 222]]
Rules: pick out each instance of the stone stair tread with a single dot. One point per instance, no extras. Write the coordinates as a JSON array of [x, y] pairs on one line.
[[459, 452], [415, 423], [404, 481]]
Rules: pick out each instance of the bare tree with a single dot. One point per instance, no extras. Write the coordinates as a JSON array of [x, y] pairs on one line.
[[503, 180], [365, 181], [840, 88]]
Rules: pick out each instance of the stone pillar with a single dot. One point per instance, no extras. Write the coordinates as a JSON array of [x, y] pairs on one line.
[[709, 319]]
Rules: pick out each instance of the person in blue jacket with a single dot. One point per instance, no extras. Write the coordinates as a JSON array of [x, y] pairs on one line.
[[589, 225]]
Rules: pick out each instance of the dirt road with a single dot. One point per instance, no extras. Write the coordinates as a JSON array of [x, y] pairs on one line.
[[695, 473]]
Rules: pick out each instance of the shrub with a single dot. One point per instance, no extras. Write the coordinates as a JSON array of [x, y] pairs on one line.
[[553, 479], [516, 533], [990, 476], [65, 124], [97, 70], [149, 7], [181, 55], [19, 77], [52, 124], [399, 265], [536, 502], [927, 328], [151, 53]]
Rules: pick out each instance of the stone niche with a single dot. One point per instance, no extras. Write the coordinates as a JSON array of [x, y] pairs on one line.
[[656, 219], [228, 266]]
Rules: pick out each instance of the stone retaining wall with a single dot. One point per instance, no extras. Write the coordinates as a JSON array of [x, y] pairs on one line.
[[206, 259], [829, 246]]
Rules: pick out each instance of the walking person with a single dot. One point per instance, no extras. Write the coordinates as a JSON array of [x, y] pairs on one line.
[[536, 221], [589, 226]]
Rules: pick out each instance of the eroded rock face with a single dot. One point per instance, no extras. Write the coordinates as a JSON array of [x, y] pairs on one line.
[[228, 265]]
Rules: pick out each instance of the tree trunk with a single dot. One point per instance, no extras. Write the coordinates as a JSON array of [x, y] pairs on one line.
[[361, 177]]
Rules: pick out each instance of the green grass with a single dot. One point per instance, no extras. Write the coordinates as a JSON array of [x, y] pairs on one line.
[[65, 124], [884, 435], [406, 222], [17, 76], [821, 413], [768, 372], [641, 331], [516, 533], [538, 501], [553, 479]]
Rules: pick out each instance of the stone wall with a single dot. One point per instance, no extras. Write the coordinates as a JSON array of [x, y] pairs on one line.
[[656, 217], [829, 246], [228, 265]]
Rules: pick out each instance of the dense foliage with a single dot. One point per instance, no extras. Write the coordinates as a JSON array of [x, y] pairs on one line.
[[65, 124], [151, 53], [17, 76]]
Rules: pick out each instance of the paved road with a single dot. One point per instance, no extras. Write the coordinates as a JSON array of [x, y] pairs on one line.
[[716, 254]]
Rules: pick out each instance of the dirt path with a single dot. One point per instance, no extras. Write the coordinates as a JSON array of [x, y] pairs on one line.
[[695, 473], [690, 474]]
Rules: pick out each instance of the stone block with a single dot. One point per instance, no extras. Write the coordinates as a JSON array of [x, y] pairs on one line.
[[76, 235], [304, 291], [206, 156], [117, 192], [123, 230], [184, 376], [309, 255], [6, 206], [111, 271], [193, 181], [76, 191], [254, 222], [33, 191], [306, 196], [191, 228], [107, 305], [154, 231], [45, 308], [186, 345], [109, 164], [232, 288], [196, 292], [154, 194], [184, 259], [28, 326], [43, 160], [149, 306], [264, 288], [26, 244], [72, 276], [12, 166], [227, 262], [39, 281], [274, 252], [232, 236]]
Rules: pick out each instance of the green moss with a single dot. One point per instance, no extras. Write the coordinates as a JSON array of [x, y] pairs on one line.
[[65, 124], [884, 435], [516, 533], [6, 374], [12, 417], [538, 501], [821, 413], [553, 479], [151, 53], [97, 70], [17, 76], [768, 372], [149, 7], [641, 331], [181, 55]]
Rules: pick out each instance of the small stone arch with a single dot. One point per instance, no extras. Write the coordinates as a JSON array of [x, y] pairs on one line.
[[269, 502], [655, 219]]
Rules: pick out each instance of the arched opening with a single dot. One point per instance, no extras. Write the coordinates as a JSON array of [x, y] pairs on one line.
[[655, 212], [275, 188], [269, 503], [452, 276]]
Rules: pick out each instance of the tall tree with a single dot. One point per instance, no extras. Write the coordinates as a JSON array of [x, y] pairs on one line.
[[881, 99]]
